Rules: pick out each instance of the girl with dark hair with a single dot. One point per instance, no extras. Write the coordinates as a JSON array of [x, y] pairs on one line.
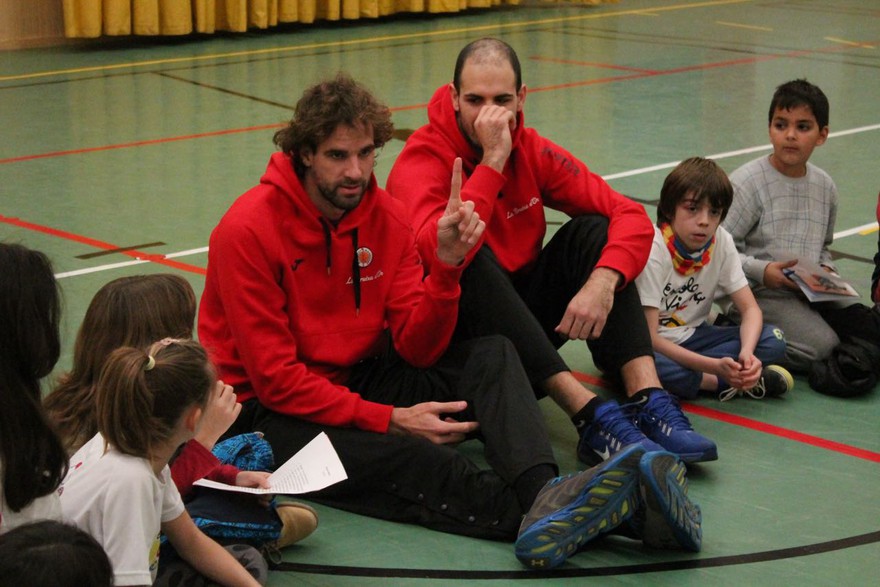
[[32, 459], [53, 554]]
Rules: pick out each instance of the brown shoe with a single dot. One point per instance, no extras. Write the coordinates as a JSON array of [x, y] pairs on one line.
[[297, 521]]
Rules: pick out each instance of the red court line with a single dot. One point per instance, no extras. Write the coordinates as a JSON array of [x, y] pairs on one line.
[[593, 64], [728, 418], [640, 73], [215, 133], [160, 259], [783, 432], [139, 143], [591, 379]]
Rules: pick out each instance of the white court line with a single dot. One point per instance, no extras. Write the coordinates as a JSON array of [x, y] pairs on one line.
[[98, 268], [128, 263], [870, 226], [729, 154], [631, 173]]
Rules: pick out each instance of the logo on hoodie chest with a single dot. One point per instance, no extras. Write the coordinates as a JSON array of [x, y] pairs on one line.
[[364, 260], [520, 209], [364, 257]]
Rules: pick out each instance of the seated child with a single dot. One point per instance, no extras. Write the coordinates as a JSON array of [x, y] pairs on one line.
[[693, 261], [119, 486], [782, 203], [32, 459], [875, 278], [53, 554], [135, 311]]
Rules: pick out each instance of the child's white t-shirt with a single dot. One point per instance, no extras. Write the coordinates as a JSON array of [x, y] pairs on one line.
[[685, 302], [121, 502], [47, 507]]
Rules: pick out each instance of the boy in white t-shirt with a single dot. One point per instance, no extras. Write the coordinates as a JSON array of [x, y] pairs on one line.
[[693, 261]]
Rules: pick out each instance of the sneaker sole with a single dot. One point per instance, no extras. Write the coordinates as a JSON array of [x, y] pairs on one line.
[[672, 520], [700, 457], [786, 375], [608, 500]]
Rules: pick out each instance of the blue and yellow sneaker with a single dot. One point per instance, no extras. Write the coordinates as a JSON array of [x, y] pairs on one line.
[[572, 510], [668, 518]]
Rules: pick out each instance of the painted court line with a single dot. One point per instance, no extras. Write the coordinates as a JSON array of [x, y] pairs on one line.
[[369, 40], [145, 257], [816, 441], [140, 256], [728, 154], [640, 74], [463, 576], [756, 425]]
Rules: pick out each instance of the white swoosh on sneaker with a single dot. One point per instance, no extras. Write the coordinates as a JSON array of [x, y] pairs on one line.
[[605, 453]]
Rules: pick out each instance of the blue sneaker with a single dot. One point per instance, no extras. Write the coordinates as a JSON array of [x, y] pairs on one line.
[[661, 420], [572, 510], [668, 519], [610, 431]]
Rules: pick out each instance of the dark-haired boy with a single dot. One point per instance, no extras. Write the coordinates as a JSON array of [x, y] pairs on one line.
[[784, 203]]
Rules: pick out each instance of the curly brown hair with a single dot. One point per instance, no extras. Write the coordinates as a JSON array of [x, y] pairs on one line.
[[325, 106]]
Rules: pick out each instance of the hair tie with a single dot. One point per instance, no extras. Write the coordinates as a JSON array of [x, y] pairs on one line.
[[151, 362]]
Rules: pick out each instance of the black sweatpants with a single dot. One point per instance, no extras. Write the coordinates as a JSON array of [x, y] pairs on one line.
[[409, 479], [526, 308]]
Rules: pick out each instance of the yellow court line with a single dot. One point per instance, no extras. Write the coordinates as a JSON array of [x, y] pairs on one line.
[[850, 43], [871, 230], [368, 40], [743, 26]]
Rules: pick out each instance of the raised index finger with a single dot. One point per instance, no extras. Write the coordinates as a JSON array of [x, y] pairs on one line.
[[455, 188]]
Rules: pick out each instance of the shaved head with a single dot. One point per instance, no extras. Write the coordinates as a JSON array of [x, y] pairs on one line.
[[487, 51]]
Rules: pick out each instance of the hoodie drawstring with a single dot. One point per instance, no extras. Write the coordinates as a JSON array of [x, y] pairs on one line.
[[326, 241], [356, 272], [355, 264]]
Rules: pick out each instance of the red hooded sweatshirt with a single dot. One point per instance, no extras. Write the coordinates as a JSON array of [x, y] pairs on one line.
[[291, 302], [538, 173]]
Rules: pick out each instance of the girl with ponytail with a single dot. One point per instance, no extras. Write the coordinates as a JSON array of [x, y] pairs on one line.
[[119, 486]]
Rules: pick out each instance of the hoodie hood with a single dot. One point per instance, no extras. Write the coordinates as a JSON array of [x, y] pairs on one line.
[[280, 174], [306, 217]]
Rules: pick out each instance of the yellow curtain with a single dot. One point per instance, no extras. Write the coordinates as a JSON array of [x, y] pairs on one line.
[[94, 18]]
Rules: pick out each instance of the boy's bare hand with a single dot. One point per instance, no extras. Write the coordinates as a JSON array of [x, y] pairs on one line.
[[774, 278]]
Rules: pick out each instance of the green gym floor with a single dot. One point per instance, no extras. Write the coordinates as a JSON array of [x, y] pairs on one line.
[[119, 158]]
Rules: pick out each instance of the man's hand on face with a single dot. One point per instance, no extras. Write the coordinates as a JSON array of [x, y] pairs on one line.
[[460, 227], [493, 126]]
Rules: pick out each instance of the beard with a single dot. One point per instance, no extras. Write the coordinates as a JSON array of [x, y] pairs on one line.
[[343, 201], [469, 134]]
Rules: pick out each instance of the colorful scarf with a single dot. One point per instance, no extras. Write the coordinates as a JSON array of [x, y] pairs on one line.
[[685, 262]]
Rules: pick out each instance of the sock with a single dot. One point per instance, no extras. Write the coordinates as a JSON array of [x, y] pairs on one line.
[[641, 397], [586, 414], [529, 483]]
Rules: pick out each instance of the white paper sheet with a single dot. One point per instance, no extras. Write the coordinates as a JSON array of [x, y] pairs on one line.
[[314, 467]]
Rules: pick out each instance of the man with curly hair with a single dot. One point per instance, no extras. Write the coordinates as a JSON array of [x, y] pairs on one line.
[[317, 311]]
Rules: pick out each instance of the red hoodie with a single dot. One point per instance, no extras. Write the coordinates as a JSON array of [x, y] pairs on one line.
[[538, 173], [282, 317]]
